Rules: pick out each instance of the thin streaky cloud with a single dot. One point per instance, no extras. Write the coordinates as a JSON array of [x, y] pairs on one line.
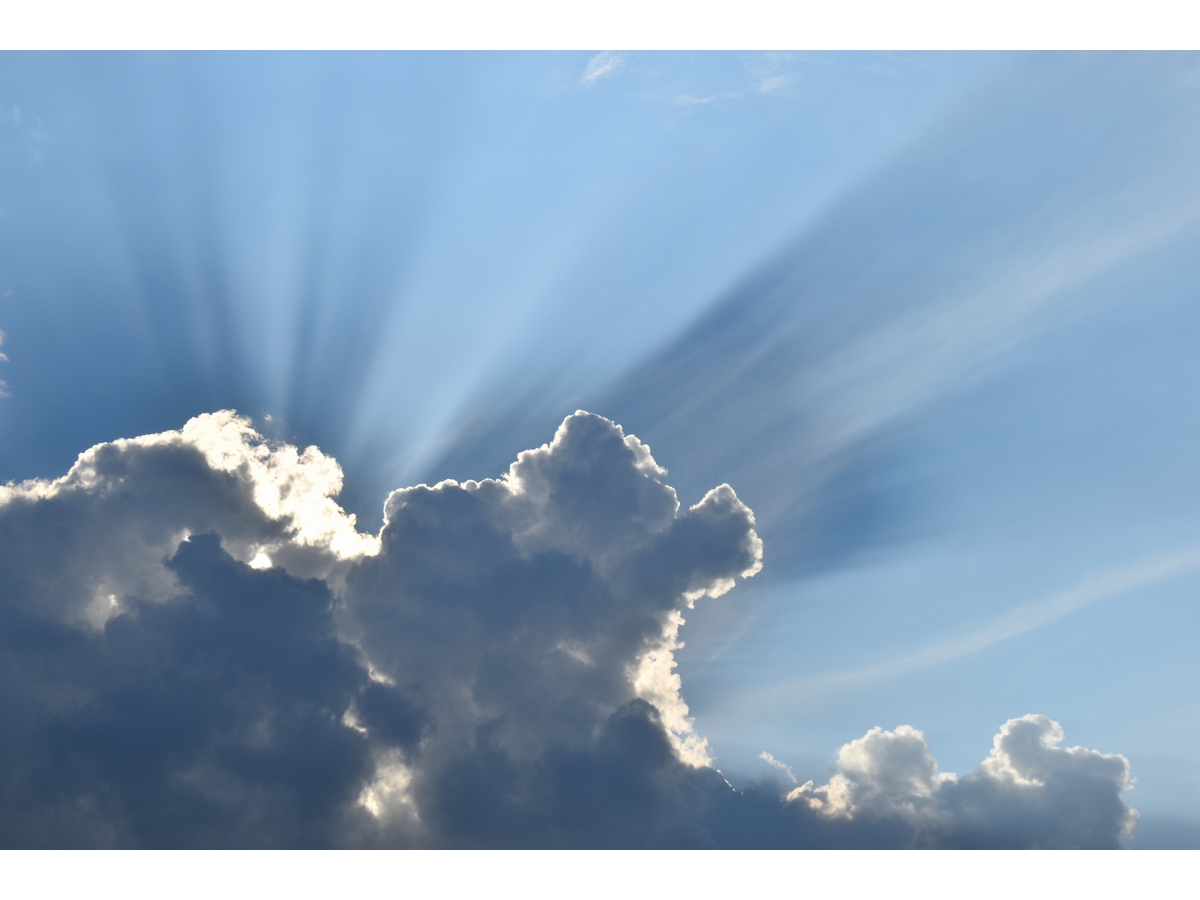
[[601, 66], [694, 100], [782, 766], [771, 72], [773, 83], [1028, 617]]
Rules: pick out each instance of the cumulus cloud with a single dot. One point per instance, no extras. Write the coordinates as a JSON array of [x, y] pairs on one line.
[[198, 648], [83, 546], [1029, 792]]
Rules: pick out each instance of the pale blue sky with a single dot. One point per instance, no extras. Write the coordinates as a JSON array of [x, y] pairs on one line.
[[933, 316]]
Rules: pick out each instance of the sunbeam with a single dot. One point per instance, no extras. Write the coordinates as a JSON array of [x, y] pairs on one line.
[[914, 335]]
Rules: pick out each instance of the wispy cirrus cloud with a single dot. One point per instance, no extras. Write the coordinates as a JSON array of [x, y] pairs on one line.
[[770, 74], [30, 131], [923, 281], [1093, 588], [602, 65]]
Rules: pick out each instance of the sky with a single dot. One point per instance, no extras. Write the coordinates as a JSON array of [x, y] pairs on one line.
[[886, 473]]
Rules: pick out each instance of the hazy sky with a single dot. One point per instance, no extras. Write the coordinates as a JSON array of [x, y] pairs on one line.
[[932, 316]]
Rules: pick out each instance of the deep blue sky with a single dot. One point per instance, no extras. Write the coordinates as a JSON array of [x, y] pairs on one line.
[[934, 316]]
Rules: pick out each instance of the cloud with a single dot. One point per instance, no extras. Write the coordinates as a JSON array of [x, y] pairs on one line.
[[29, 131], [81, 547], [197, 648], [535, 613], [1093, 588], [772, 761], [600, 66], [213, 719], [771, 72], [1028, 793]]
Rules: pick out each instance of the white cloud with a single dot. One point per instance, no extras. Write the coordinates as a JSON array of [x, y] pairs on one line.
[[1028, 792], [772, 761], [31, 132], [883, 772], [602, 65], [771, 72]]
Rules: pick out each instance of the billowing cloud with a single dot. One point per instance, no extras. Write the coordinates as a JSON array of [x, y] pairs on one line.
[[85, 545], [198, 648], [1028, 793]]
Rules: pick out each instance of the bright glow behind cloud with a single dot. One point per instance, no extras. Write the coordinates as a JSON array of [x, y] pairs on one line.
[[385, 253]]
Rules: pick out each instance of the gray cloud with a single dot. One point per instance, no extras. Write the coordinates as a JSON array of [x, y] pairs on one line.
[[197, 648], [535, 614]]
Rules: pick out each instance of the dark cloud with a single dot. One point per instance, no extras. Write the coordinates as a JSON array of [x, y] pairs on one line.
[[213, 719], [198, 649]]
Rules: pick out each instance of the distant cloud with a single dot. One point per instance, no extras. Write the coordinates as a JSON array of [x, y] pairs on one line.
[[30, 131], [1093, 588], [1028, 793], [684, 98], [773, 762], [772, 84], [198, 648], [600, 66], [772, 72]]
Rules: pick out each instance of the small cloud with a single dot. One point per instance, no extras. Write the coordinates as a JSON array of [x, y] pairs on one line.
[[772, 761], [686, 99], [31, 134], [773, 83], [1029, 792], [601, 66], [771, 72]]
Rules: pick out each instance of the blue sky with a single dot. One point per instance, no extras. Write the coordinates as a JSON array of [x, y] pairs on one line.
[[932, 316]]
